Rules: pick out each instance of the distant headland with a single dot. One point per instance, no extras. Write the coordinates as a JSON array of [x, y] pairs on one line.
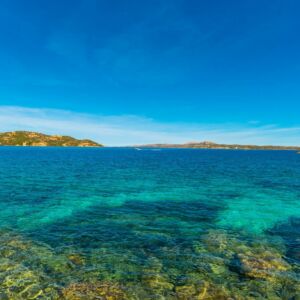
[[211, 145], [29, 138]]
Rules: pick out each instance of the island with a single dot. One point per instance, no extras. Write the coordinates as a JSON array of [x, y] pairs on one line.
[[211, 145], [29, 138]]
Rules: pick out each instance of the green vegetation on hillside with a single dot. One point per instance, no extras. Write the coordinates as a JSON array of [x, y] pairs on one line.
[[28, 138]]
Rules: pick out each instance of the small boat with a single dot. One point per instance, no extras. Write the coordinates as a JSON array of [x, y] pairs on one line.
[[139, 149]]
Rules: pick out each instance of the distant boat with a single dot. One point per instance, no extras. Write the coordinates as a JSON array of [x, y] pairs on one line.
[[138, 149]]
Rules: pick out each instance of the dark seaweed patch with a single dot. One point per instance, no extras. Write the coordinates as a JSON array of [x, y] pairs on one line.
[[135, 224], [290, 232]]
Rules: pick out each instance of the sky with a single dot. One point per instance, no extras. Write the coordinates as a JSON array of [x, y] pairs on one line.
[[132, 72]]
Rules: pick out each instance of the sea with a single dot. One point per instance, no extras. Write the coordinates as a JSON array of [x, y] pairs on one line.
[[117, 223]]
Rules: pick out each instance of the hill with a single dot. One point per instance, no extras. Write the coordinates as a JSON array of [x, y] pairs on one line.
[[211, 145], [28, 138]]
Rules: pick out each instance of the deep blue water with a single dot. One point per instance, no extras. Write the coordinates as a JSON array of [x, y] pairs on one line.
[[165, 224]]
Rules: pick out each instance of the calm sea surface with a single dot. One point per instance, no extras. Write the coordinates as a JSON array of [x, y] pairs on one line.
[[153, 224]]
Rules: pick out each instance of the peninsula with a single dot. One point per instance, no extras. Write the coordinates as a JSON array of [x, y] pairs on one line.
[[211, 145], [29, 138]]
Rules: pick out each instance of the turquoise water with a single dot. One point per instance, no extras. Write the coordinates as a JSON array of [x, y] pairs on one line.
[[170, 224]]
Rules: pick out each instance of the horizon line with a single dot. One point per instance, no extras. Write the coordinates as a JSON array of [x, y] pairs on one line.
[[124, 130]]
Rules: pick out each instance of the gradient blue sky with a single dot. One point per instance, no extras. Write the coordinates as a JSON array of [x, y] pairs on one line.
[[185, 66]]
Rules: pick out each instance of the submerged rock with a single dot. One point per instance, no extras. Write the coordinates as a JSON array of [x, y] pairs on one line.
[[221, 259], [221, 244], [24, 267], [154, 278], [265, 265], [91, 291], [76, 259], [252, 259], [19, 282], [157, 282], [192, 292], [205, 290]]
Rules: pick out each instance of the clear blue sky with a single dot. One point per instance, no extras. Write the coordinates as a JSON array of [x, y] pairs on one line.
[[203, 63]]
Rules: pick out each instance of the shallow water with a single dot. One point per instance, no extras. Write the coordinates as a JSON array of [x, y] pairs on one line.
[[172, 224]]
